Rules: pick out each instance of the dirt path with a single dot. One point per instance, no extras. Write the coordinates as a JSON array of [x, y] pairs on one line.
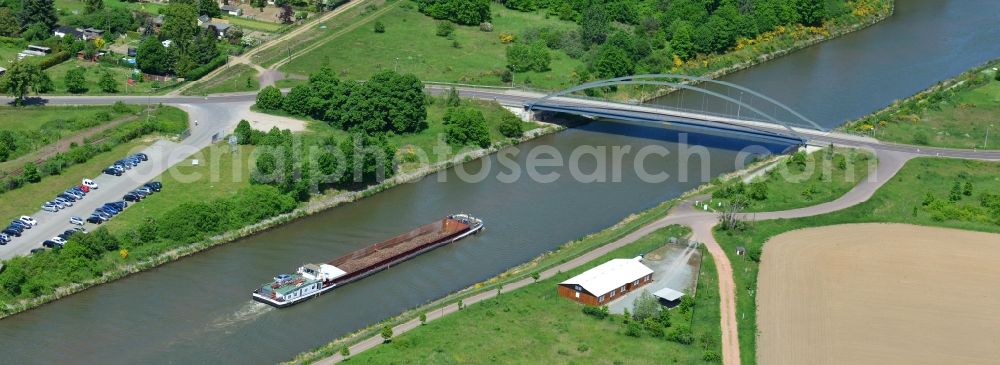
[[246, 58], [62, 145]]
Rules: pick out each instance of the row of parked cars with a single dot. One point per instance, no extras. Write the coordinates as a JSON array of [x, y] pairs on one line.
[[125, 164], [16, 228], [70, 196], [107, 211]]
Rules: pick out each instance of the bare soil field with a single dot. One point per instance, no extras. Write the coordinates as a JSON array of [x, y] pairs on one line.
[[879, 294]]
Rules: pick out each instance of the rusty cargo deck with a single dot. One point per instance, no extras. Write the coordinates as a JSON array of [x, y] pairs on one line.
[[374, 256]]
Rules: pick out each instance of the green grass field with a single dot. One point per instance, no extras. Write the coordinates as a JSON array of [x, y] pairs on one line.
[[960, 123], [234, 79], [70, 6], [821, 179], [39, 117], [899, 201], [253, 24], [220, 173], [535, 325], [93, 75], [410, 45], [318, 32]]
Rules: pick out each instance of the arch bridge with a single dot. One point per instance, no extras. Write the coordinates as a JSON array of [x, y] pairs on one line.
[[757, 116]]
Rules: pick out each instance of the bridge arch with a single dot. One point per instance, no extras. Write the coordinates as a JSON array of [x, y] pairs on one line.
[[658, 80]]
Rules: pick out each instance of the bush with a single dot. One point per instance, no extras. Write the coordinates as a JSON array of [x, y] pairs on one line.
[[444, 29], [633, 329], [54, 59], [528, 57], [596, 312], [270, 98], [203, 70], [681, 335], [466, 126], [379, 27], [510, 126]]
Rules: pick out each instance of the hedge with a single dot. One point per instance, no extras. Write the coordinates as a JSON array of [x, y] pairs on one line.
[[206, 68], [55, 59]]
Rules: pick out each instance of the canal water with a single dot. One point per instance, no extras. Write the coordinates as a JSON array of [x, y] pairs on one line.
[[198, 310]]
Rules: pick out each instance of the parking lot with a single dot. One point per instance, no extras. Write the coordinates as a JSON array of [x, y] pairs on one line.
[[110, 188], [674, 266]]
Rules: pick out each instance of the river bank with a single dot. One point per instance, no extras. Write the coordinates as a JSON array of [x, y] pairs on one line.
[[311, 207], [517, 276]]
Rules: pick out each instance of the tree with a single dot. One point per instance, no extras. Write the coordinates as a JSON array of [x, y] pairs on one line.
[[510, 126], [535, 276], [386, 333], [39, 11], [956, 192], [21, 77], [388, 101], [7, 144], [210, 8], [287, 15], [683, 40], [107, 82], [180, 26], [269, 98], [967, 189], [595, 24], [91, 6], [345, 352], [613, 62], [758, 190], [645, 306], [453, 99], [76, 80], [30, 173], [9, 27], [528, 57], [379, 27], [423, 318], [466, 126], [812, 12], [465, 12], [12, 278], [444, 29], [205, 47], [152, 57]]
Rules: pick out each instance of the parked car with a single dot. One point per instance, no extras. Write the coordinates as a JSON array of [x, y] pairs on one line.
[[74, 220], [145, 190], [113, 171], [4, 238], [15, 227], [131, 197], [140, 193], [100, 213], [89, 183], [12, 232], [18, 223], [142, 156], [77, 189], [74, 194], [111, 212], [59, 240], [67, 197], [59, 204], [49, 207], [124, 165], [27, 219], [84, 188], [63, 202], [51, 244], [37, 250], [95, 219], [120, 205], [154, 185], [79, 229]]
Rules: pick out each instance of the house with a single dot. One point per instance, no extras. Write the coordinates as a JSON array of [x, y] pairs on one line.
[[63, 31], [91, 33], [203, 19], [231, 10], [220, 27], [606, 282]]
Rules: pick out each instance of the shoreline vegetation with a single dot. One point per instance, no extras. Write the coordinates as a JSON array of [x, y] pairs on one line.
[[950, 114]]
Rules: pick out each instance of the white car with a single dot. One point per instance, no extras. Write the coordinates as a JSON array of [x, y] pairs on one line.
[[49, 207], [58, 240], [65, 202], [76, 220], [28, 220], [90, 183]]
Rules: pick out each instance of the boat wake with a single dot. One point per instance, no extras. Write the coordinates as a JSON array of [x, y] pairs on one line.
[[247, 313]]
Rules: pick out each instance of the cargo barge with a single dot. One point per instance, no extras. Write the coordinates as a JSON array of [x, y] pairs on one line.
[[311, 280]]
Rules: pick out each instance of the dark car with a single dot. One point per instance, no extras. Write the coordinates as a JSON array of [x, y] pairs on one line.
[[50, 244], [70, 232], [22, 225], [131, 197], [111, 212], [102, 214], [142, 156], [12, 232], [78, 189], [95, 219], [17, 227], [154, 185], [37, 250], [120, 205], [67, 197], [140, 193], [111, 171]]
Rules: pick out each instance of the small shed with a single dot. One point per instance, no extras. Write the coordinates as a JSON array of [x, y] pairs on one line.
[[669, 297], [740, 250]]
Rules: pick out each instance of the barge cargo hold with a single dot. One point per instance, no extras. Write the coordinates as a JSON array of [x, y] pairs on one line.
[[311, 280]]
